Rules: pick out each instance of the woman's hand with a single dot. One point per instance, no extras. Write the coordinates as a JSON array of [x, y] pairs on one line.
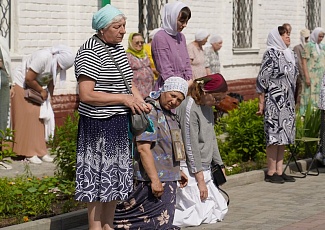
[[199, 176], [136, 105], [183, 181], [157, 188], [12, 92], [260, 109], [261, 99], [203, 190], [44, 94]]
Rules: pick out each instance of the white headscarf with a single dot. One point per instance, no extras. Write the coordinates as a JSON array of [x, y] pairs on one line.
[[304, 33], [314, 38], [63, 56], [274, 41], [170, 15], [200, 35], [215, 38]]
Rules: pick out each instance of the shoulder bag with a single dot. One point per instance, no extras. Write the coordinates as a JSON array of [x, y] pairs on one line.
[[139, 122], [227, 104], [219, 179], [33, 96]]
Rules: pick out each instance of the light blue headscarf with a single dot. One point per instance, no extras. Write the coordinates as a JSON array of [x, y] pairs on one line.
[[104, 16]]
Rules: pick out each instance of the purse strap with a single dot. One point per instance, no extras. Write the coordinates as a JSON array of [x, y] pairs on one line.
[[117, 66]]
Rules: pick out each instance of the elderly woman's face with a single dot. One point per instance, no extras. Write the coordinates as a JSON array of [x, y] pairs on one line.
[[137, 42], [115, 32], [171, 99], [217, 46], [211, 99], [320, 37], [202, 43]]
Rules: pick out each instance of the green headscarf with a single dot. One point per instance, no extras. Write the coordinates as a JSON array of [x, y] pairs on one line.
[[134, 52], [104, 16]]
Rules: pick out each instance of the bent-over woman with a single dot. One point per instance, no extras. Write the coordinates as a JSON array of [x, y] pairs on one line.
[[156, 170]]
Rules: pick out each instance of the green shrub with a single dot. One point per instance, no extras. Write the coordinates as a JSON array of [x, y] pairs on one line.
[[30, 197], [6, 137], [308, 126], [63, 146], [245, 139]]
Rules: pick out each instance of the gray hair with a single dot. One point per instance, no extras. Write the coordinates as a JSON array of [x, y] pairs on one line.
[[115, 19]]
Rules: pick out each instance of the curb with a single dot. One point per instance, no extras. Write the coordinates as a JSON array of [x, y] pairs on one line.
[[61, 222], [79, 218]]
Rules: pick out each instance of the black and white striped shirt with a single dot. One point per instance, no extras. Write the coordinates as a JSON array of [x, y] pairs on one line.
[[93, 61]]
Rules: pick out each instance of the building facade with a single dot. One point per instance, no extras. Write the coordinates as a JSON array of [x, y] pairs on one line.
[[30, 25]]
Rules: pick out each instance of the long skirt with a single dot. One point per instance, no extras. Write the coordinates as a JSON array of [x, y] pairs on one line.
[[191, 211], [104, 164], [4, 101], [142, 210], [29, 129]]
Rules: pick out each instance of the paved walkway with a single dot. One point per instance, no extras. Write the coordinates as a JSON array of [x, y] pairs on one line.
[[266, 206], [254, 203], [19, 167]]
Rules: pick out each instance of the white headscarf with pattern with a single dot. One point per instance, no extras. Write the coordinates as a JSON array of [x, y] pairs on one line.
[[274, 41]]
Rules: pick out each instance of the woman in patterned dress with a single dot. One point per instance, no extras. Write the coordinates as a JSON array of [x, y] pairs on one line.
[[212, 56], [143, 76], [313, 61], [275, 85], [104, 162], [156, 170]]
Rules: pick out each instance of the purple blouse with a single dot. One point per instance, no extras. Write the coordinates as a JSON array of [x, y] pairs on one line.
[[170, 56]]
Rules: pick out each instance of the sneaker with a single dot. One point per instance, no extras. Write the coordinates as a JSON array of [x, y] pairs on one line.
[[275, 178], [287, 178], [319, 157], [47, 158], [5, 166], [34, 160]]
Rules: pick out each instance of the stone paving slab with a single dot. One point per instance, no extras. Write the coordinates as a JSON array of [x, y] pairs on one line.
[[254, 205]]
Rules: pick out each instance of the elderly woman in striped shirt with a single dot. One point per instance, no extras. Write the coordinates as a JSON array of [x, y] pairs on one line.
[[104, 162]]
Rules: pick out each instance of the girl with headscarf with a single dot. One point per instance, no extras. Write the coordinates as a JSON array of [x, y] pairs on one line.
[[143, 76], [33, 123], [168, 46], [314, 67], [156, 165], [196, 54], [104, 173], [200, 201], [275, 85]]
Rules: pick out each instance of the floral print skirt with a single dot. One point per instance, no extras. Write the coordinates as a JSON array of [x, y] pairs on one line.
[[104, 165], [142, 210]]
